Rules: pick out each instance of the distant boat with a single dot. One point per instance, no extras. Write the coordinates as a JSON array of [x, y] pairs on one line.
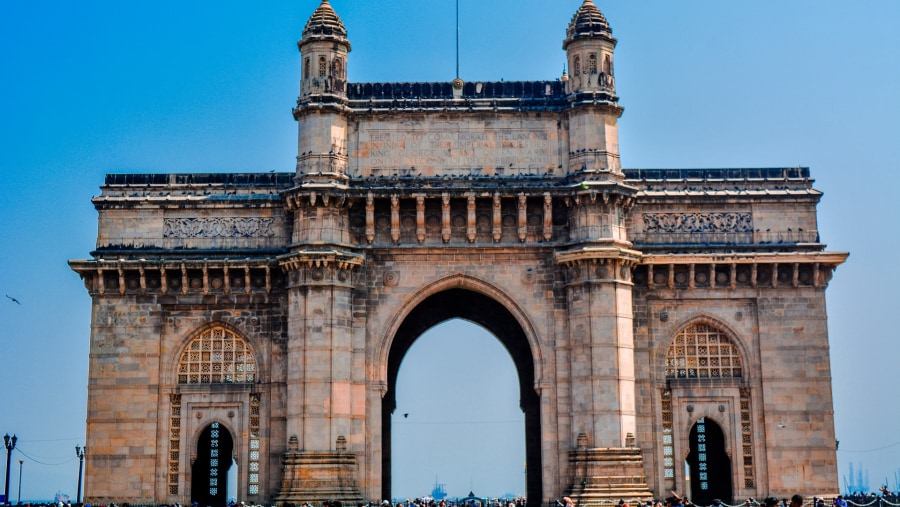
[[61, 497], [439, 492]]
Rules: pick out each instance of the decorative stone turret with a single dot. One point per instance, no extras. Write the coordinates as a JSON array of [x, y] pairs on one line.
[[589, 49], [324, 47], [322, 144], [594, 137]]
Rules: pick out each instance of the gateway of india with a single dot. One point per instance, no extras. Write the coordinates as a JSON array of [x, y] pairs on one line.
[[668, 326]]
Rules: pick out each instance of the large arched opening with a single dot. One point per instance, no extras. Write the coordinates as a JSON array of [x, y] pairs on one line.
[[497, 320]]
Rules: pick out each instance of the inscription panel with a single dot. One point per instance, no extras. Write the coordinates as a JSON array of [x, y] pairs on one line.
[[431, 148]]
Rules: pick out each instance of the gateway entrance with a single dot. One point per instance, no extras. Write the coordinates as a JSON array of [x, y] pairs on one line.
[[497, 320], [458, 422], [209, 473]]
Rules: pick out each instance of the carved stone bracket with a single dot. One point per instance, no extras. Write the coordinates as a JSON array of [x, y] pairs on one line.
[[300, 198], [773, 270], [329, 267], [320, 259], [179, 277], [598, 264]]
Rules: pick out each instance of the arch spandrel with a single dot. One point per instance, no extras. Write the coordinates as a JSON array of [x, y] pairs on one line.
[[387, 335]]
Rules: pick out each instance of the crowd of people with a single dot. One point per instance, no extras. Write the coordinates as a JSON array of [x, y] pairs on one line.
[[884, 498]]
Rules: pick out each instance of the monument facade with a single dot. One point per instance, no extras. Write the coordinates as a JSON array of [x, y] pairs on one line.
[[668, 326]]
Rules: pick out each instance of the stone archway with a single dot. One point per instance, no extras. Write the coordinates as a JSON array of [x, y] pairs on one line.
[[709, 464], [209, 472], [499, 321]]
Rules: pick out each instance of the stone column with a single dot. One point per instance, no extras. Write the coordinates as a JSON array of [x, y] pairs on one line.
[[318, 465], [320, 391], [604, 462], [601, 350]]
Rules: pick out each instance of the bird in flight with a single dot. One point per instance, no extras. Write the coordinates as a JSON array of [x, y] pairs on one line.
[[14, 300]]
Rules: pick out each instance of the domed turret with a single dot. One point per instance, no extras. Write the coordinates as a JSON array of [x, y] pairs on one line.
[[324, 23], [324, 46], [589, 46], [593, 117], [321, 145], [588, 22]]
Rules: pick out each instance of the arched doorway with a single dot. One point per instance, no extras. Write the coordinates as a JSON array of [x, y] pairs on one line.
[[458, 418], [209, 473], [496, 319], [709, 465]]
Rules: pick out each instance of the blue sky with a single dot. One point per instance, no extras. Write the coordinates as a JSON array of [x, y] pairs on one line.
[[92, 87]]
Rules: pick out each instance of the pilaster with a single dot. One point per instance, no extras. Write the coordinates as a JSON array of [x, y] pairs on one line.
[[322, 397], [604, 463]]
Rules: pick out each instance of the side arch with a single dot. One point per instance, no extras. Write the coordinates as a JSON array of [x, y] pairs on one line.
[[214, 447], [710, 462]]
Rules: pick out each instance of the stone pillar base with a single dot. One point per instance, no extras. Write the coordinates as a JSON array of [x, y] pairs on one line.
[[318, 476], [601, 475]]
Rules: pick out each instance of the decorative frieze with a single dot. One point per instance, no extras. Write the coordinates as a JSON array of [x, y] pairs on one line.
[[677, 223], [218, 227]]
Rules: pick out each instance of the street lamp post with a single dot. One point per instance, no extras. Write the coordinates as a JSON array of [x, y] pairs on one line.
[[79, 451], [20, 481], [10, 443]]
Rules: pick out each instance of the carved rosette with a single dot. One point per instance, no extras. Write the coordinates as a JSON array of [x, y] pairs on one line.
[[330, 267]]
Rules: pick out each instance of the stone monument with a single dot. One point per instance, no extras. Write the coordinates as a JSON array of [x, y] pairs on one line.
[[656, 318]]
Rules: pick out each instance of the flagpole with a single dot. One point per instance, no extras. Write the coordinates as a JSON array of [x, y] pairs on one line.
[[457, 38]]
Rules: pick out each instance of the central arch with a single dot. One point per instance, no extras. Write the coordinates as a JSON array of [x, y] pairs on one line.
[[496, 318]]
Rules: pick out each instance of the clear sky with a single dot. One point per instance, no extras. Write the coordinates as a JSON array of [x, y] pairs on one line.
[[92, 87]]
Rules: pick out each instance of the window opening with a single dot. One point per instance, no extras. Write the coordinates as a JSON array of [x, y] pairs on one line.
[[217, 356], [702, 351]]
